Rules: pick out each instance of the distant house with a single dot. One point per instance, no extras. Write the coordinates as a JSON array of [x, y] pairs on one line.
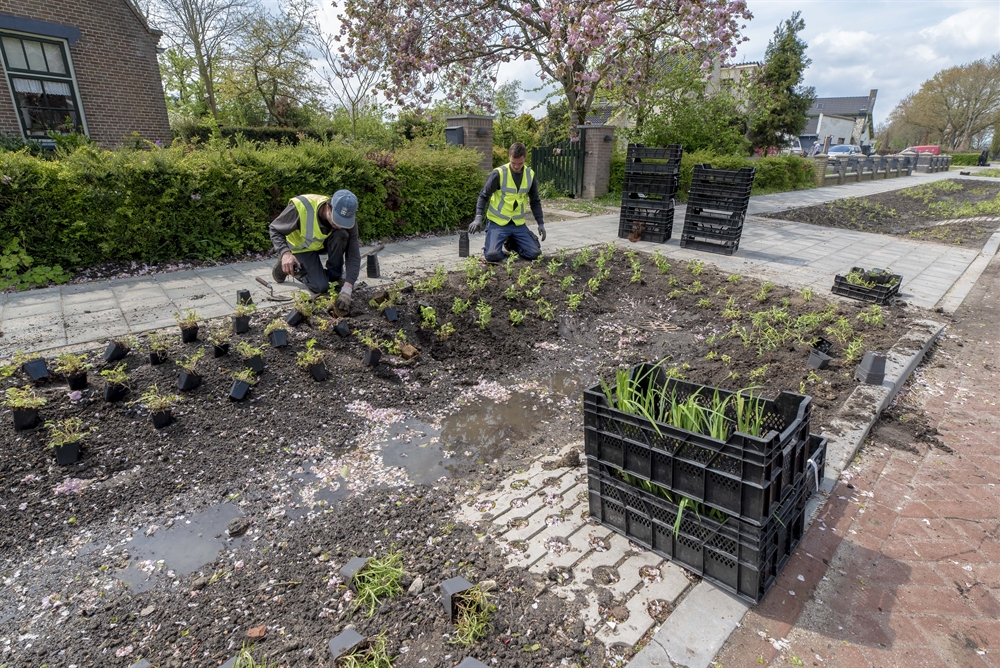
[[84, 66], [846, 120]]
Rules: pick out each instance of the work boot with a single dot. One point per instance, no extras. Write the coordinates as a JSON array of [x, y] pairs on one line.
[[277, 274], [508, 245]]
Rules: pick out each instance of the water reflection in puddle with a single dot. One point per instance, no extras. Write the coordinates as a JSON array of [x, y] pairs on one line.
[[183, 548]]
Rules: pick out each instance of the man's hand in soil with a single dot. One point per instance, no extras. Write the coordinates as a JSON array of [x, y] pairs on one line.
[[476, 225], [289, 263], [541, 232], [343, 303]]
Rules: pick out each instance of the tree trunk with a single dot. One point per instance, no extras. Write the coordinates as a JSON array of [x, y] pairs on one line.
[[204, 71]]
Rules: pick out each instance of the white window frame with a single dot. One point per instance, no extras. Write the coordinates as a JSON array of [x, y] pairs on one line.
[[69, 78]]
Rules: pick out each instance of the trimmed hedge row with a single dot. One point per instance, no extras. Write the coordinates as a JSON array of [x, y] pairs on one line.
[[964, 159], [159, 205], [777, 174]]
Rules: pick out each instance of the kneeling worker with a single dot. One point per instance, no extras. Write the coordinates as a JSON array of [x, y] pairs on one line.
[[309, 226], [507, 190]]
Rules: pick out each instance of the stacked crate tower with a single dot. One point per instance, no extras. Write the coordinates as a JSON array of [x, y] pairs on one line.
[[732, 510], [716, 207], [651, 179]]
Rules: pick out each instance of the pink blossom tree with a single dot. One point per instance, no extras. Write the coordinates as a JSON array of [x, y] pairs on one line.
[[448, 45]]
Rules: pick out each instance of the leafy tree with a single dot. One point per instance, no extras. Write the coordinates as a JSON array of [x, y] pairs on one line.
[[350, 82], [181, 85], [782, 102], [447, 44]]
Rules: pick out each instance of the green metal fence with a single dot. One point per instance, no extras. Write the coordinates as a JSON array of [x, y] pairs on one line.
[[562, 164]]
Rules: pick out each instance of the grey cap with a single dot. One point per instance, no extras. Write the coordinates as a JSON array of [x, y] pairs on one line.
[[344, 205]]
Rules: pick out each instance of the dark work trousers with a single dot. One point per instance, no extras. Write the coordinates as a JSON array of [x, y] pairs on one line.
[[524, 241], [317, 277]]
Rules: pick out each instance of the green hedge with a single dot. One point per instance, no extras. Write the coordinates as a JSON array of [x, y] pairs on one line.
[[965, 159], [160, 205]]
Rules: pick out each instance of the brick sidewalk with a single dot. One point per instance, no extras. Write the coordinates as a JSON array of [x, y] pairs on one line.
[[902, 567]]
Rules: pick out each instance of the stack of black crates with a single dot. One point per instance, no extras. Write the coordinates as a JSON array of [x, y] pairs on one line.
[[716, 206], [651, 179], [751, 492]]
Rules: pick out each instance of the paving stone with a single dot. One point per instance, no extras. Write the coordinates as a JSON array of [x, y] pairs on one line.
[[632, 629], [629, 572], [672, 585]]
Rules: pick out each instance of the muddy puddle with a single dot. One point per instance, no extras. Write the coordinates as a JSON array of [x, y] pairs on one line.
[[180, 549]]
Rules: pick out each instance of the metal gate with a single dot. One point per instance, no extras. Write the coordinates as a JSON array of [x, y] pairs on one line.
[[562, 164]]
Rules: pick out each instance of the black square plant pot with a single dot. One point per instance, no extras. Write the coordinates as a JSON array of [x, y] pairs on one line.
[[391, 314], [450, 591], [188, 381], [352, 568], [68, 454], [220, 351], [114, 352], [818, 360], [36, 369], [345, 642], [156, 358], [469, 662], [25, 418], [255, 363], [319, 372], [822, 345], [243, 297], [239, 390], [278, 339], [114, 392], [463, 244], [229, 664], [189, 335], [77, 381], [871, 371], [373, 268], [295, 318], [241, 324], [162, 418], [342, 329], [372, 357]]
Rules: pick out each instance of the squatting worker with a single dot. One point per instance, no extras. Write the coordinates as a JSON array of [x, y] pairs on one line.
[[508, 189], [312, 225]]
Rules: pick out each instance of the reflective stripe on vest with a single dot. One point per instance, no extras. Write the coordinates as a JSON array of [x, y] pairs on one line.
[[309, 236], [508, 203]]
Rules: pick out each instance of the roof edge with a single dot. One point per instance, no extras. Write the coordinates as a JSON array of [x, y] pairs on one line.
[[142, 20]]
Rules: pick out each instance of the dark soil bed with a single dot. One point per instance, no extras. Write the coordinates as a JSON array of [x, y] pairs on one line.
[[914, 212], [67, 531]]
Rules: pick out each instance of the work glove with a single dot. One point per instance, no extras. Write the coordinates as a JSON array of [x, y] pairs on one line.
[[541, 232], [476, 225], [343, 303]]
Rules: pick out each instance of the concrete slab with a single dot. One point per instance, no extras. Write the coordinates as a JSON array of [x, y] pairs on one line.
[[697, 629]]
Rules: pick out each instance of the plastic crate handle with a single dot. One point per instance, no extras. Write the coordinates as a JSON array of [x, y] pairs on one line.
[[815, 469]]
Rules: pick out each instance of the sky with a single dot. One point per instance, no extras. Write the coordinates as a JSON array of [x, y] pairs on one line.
[[855, 45]]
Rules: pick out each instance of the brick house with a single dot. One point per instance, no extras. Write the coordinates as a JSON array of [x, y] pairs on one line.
[[88, 66]]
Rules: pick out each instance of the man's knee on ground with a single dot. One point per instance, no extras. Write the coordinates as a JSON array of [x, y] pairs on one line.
[[494, 256]]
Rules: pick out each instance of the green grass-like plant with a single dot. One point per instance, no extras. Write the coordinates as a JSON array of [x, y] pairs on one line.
[[545, 310], [661, 262], [854, 350], [310, 356], [765, 289], [581, 258], [553, 267], [567, 282], [66, 432], [246, 376], [370, 654], [243, 309], [156, 401], [734, 278], [116, 375], [190, 363], [377, 581], [245, 659], [188, 319], [434, 282], [275, 325], [246, 351], [303, 303], [69, 364], [220, 335], [704, 303], [475, 607], [873, 316], [696, 267]]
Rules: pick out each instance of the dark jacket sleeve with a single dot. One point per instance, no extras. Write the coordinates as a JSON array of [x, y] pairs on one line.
[[352, 257], [535, 202], [286, 223], [492, 185]]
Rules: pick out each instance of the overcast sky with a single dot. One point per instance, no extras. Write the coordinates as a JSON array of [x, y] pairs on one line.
[[855, 45]]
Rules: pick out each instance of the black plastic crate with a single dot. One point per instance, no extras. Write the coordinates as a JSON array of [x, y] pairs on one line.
[[646, 223], [697, 201], [739, 557], [880, 294], [664, 185], [720, 247], [672, 152], [640, 167], [695, 229], [707, 174]]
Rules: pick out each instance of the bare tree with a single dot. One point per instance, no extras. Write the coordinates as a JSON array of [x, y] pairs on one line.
[[351, 85], [206, 27]]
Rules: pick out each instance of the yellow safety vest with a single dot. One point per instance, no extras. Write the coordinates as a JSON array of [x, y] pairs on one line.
[[309, 236], [508, 203]]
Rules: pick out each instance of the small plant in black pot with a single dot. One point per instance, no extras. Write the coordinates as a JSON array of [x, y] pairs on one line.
[[252, 356], [33, 365], [161, 406], [188, 322], [189, 379], [119, 347], [242, 382], [374, 353], [65, 437], [241, 317], [115, 382], [277, 333], [74, 369], [159, 344], [386, 302], [219, 338], [311, 360], [302, 310], [473, 608], [24, 403]]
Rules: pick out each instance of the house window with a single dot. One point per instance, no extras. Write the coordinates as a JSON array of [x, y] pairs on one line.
[[41, 81]]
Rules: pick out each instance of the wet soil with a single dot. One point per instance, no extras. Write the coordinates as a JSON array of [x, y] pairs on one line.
[[914, 212], [99, 559]]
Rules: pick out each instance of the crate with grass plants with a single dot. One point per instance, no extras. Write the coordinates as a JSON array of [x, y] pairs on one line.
[[241, 317], [189, 378], [115, 382], [159, 405], [877, 286], [252, 356], [738, 556], [24, 404], [646, 220], [735, 451], [311, 359], [277, 333], [188, 323], [74, 369], [243, 380], [65, 437], [159, 347]]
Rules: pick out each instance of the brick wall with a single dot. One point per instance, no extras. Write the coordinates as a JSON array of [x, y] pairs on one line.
[[483, 144], [117, 75], [597, 160]]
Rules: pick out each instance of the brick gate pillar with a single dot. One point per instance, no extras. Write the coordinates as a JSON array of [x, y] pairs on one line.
[[599, 141], [478, 134]]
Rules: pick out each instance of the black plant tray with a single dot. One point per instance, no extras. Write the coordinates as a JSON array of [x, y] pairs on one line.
[[672, 152], [639, 167], [722, 248], [661, 185], [718, 202], [739, 557], [706, 174], [880, 294], [656, 230]]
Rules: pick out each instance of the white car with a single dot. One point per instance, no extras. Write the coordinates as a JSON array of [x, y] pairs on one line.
[[844, 151]]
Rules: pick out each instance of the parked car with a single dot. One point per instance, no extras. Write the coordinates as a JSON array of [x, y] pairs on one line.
[[932, 149], [793, 146], [844, 151]]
